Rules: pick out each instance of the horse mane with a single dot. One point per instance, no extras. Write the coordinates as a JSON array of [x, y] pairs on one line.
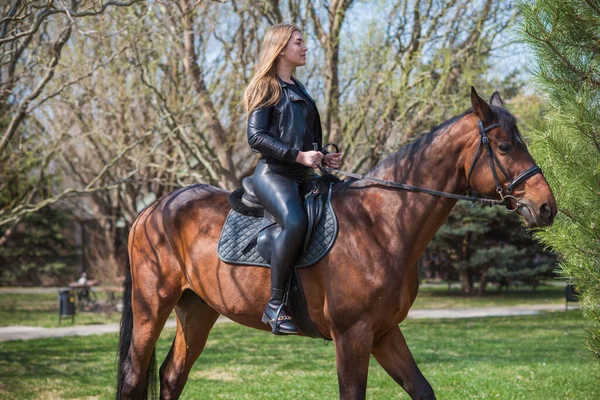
[[505, 119]]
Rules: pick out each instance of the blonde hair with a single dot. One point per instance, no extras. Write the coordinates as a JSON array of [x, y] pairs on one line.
[[264, 89]]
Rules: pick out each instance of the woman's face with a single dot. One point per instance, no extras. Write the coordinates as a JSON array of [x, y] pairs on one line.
[[294, 52]]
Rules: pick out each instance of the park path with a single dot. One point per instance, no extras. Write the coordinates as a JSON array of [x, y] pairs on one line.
[[8, 333], [54, 289]]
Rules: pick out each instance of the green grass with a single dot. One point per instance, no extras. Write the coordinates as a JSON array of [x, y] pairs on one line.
[[41, 309], [440, 297], [530, 357]]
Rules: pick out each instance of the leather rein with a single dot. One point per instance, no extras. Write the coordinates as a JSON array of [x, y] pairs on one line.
[[505, 196]]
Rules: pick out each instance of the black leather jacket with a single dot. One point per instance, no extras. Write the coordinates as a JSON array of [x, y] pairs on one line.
[[277, 131]]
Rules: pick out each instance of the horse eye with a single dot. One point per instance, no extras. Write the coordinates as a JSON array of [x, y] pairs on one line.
[[504, 147]]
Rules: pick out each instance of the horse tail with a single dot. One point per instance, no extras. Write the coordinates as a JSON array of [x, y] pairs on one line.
[[125, 334]]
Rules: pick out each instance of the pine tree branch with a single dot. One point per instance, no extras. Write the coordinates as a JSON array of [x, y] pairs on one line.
[[579, 222], [566, 62], [593, 5]]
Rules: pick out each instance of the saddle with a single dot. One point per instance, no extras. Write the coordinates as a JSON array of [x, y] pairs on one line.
[[249, 232]]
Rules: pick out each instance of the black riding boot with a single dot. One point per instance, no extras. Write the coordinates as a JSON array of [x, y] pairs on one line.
[[276, 311]]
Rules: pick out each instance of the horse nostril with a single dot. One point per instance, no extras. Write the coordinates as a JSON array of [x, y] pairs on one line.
[[546, 212]]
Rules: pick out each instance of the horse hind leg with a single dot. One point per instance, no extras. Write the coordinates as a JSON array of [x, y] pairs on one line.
[[195, 319], [144, 316]]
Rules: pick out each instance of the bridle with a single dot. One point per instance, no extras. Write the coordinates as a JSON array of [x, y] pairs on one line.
[[505, 196], [523, 176]]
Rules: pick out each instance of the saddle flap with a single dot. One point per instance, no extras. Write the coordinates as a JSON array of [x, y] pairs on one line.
[[267, 222], [314, 205], [299, 308]]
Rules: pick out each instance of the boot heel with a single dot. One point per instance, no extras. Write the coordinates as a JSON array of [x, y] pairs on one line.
[[265, 320]]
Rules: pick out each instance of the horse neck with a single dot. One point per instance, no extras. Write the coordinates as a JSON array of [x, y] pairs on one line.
[[411, 219], [433, 161]]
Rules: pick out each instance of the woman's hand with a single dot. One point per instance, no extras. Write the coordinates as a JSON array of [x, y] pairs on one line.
[[310, 159], [333, 160]]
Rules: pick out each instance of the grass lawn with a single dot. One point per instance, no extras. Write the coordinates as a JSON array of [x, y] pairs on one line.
[[529, 357], [440, 297], [41, 309]]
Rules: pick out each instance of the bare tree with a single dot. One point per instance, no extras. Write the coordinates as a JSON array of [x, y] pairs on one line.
[[411, 70], [21, 21], [147, 98], [33, 36], [329, 38]]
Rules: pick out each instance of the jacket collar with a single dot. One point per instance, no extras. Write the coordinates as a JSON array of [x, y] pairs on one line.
[[284, 84]]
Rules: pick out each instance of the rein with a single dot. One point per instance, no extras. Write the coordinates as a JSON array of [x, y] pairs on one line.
[[505, 198]]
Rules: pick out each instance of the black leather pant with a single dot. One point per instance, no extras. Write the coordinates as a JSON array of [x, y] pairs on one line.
[[280, 188]]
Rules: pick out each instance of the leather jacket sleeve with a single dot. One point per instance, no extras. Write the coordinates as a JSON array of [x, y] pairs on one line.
[[260, 140]]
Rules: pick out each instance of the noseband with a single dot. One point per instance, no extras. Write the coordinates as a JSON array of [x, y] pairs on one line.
[[505, 196], [522, 177]]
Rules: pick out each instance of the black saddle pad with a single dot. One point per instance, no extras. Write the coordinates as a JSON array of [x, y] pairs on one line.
[[239, 228]]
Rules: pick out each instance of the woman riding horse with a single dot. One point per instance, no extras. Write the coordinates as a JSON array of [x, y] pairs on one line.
[[359, 292], [283, 125]]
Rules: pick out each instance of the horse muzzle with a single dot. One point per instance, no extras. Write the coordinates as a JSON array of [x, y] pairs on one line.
[[537, 216]]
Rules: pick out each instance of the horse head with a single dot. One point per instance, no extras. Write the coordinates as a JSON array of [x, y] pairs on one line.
[[498, 164]]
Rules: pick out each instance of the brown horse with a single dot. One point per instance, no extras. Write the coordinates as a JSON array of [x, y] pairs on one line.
[[357, 294]]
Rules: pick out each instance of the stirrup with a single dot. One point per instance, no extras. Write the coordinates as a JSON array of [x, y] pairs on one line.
[[275, 330]]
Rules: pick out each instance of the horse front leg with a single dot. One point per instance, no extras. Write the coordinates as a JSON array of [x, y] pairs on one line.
[[392, 353], [352, 353]]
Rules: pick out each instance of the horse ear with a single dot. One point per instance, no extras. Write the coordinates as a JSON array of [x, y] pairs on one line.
[[480, 107], [496, 100]]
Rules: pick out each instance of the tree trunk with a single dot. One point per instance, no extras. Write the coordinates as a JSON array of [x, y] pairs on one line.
[[331, 44], [332, 95], [466, 281], [222, 146], [482, 283]]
